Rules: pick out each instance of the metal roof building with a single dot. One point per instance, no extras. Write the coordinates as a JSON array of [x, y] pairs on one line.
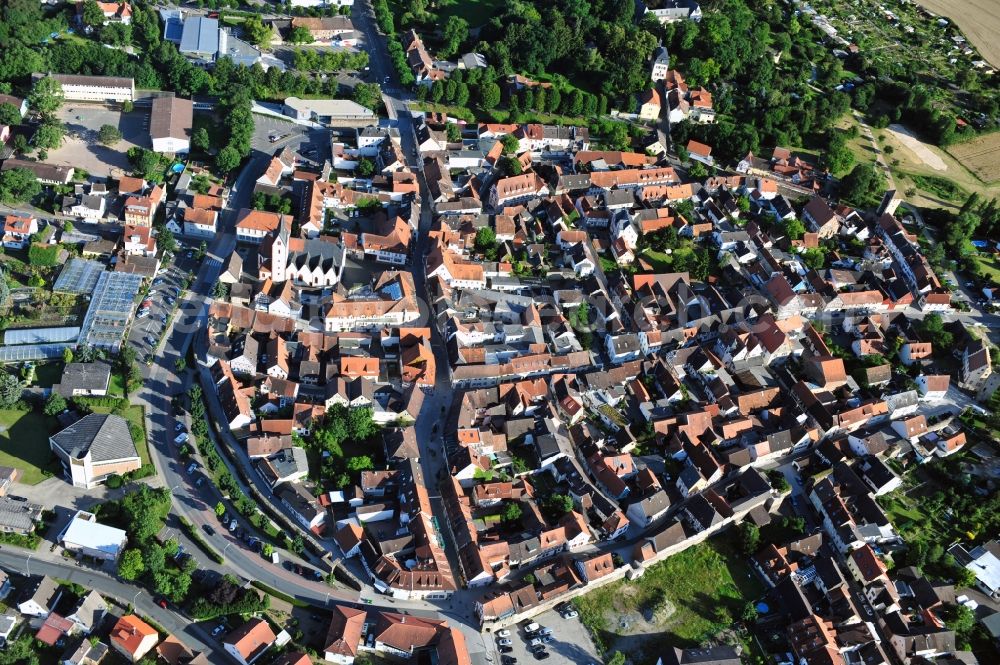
[[41, 335], [200, 37], [78, 276]]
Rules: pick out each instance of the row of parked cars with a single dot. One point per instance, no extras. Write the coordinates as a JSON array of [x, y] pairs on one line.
[[536, 637]]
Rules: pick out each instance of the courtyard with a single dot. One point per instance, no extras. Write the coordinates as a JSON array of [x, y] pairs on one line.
[[82, 150]]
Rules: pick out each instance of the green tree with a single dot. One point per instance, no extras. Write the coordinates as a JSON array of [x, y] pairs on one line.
[[228, 159], [54, 405], [200, 140], [749, 614], [456, 31], [257, 32], [489, 96], [793, 228], [220, 509], [131, 565], [49, 135], [749, 538], [510, 144], [92, 14], [46, 96], [18, 185], [67, 355], [486, 238], [512, 511], [368, 95], [109, 135], [9, 114], [145, 508], [617, 658], [814, 258], [360, 463], [10, 390], [366, 167], [864, 185], [300, 35], [360, 424], [560, 503]]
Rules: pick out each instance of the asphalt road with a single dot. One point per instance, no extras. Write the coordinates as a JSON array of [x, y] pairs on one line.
[[193, 635]]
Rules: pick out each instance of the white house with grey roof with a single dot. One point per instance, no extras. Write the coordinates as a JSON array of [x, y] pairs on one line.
[[90, 379], [95, 447]]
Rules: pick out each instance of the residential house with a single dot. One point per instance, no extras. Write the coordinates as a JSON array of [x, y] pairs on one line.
[[133, 638], [250, 641]]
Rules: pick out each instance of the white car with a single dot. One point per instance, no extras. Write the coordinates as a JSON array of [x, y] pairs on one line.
[[181, 438], [504, 642], [503, 633], [531, 628], [536, 642]]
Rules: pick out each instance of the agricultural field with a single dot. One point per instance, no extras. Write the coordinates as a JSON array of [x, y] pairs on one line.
[[981, 155], [979, 20]]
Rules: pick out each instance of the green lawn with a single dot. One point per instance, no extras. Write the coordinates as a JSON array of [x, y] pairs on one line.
[[707, 585], [990, 267], [116, 388], [48, 374], [135, 415], [24, 443]]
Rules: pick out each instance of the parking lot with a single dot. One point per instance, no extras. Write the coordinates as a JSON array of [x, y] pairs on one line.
[[312, 144], [570, 644], [146, 332], [82, 150]]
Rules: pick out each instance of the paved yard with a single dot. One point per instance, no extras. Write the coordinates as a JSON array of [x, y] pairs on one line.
[[81, 149], [570, 645]]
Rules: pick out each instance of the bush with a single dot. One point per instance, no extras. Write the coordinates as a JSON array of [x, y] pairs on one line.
[[114, 481]]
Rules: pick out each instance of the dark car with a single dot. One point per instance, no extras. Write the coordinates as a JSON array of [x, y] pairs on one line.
[[209, 530], [541, 655], [162, 602], [508, 660], [506, 649]]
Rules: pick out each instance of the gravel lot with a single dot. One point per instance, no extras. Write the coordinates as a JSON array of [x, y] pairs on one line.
[[81, 148]]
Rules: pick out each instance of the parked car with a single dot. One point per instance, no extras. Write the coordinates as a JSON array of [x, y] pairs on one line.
[[508, 660], [218, 629], [233, 525], [162, 602], [535, 642], [504, 642], [503, 633], [200, 482], [181, 438], [531, 627], [541, 655], [506, 649], [191, 467], [179, 427], [570, 614]]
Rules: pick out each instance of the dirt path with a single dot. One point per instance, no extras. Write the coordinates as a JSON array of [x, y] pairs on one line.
[[918, 148]]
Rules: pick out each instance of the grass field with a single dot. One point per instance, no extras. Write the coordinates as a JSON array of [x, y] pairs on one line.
[[940, 187], [981, 155], [990, 267], [48, 374], [979, 20], [682, 601], [905, 164], [24, 443]]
